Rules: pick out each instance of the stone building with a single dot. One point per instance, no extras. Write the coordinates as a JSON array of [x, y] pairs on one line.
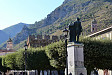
[[9, 48], [39, 40], [4, 52], [9, 44], [103, 34], [94, 26]]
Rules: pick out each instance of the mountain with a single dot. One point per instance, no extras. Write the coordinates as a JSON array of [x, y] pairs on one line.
[[11, 31], [57, 20], [22, 35], [14, 29], [3, 36], [87, 10]]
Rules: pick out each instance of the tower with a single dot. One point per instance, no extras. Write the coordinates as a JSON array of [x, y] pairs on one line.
[[9, 44], [94, 26]]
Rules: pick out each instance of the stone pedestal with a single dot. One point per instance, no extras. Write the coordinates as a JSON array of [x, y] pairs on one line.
[[76, 59]]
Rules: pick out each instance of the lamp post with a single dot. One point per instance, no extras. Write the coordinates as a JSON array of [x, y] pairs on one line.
[[26, 47], [66, 34]]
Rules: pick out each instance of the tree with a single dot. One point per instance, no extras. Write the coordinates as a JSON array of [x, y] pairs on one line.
[[20, 62], [3, 68], [57, 55], [0, 63], [97, 54], [38, 60], [10, 61], [35, 60]]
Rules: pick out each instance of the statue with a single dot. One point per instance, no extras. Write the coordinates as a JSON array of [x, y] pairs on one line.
[[75, 31]]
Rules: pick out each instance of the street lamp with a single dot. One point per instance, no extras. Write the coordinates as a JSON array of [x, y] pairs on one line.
[[65, 31], [26, 47]]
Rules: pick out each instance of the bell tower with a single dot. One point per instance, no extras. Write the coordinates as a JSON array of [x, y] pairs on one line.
[[9, 44], [94, 26]]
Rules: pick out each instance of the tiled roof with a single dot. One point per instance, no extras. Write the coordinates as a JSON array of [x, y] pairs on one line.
[[100, 32], [7, 51]]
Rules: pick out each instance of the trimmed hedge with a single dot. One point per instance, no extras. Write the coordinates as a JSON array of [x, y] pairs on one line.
[[97, 55]]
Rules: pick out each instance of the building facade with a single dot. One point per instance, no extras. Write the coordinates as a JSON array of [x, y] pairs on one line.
[[94, 26], [9, 44], [39, 40], [4, 52], [103, 34], [9, 48]]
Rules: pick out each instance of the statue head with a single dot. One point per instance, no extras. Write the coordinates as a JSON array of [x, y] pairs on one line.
[[78, 19]]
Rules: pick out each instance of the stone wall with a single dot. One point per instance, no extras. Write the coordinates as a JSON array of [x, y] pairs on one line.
[[39, 40]]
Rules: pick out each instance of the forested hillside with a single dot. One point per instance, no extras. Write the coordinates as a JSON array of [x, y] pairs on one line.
[[57, 20]]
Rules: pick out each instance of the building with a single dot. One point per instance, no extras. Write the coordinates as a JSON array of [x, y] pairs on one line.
[[102, 34], [4, 52], [9, 44], [9, 48], [40, 40], [94, 26]]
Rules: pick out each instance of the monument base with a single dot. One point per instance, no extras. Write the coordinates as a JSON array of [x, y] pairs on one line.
[[76, 59], [80, 71]]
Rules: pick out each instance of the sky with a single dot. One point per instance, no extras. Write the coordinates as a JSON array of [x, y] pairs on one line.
[[25, 11]]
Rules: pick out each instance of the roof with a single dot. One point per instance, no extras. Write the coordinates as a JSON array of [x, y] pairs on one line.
[[7, 51], [100, 32]]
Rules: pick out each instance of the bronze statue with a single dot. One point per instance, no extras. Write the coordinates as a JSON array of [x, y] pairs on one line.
[[75, 31]]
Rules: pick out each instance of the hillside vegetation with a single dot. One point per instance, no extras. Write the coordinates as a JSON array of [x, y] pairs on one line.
[[58, 19]]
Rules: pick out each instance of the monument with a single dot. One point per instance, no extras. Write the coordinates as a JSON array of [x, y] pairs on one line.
[[75, 31], [75, 50]]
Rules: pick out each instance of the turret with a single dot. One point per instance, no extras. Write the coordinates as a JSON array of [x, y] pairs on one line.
[[94, 26], [9, 44]]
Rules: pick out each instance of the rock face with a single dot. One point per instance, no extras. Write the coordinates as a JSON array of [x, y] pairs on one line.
[[22, 35], [67, 9]]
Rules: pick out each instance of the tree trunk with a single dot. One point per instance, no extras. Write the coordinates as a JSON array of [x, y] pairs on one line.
[[50, 72], [42, 72], [89, 71], [47, 72], [58, 72], [4, 73], [35, 72], [38, 72]]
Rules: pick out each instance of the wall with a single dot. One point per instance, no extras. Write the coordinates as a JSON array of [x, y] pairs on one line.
[[39, 40]]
